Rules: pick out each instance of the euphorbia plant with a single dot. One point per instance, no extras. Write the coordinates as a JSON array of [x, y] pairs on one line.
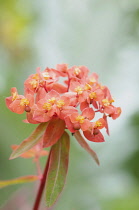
[[56, 108]]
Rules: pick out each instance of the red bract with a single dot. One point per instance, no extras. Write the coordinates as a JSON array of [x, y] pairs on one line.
[[45, 98], [95, 136]]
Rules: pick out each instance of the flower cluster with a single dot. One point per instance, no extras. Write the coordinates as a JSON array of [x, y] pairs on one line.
[[73, 105]]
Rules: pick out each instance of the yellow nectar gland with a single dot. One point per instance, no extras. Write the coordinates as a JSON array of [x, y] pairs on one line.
[[60, 103], [80, 119], [92, 95], [79, 90], [77, 71], [14, 96], [47, 106], [24, 102], [52, 100], [46, 75]]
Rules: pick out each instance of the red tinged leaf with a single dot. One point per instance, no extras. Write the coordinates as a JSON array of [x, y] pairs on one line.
[[57, 171], [19, 180], [30, 142], [84, 144], [53, 132]]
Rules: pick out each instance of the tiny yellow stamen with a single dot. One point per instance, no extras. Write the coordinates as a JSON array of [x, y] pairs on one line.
[[35, 76], [98, 123], [47, 106], [80, 119], [105, 102], [87, 87], [34, 83], [52, 100], [79, 90], [92, 81], [112, 100], [60, 103], [77, 71], [92, 95], [14, 96], [24, 102], [46, 75]]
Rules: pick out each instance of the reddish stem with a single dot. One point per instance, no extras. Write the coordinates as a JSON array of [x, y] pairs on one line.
[[41, 187]]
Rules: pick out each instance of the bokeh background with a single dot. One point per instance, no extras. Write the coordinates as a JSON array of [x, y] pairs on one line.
[[104, 36]]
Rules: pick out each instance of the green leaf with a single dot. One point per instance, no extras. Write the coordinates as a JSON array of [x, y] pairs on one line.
[[20, 180], [86, 146], [57, 171], [31, 141]]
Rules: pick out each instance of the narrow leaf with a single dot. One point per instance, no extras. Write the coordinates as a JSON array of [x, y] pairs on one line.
[[20, 180], [86, 146], [53, 132], [57, 171], [31, 141]]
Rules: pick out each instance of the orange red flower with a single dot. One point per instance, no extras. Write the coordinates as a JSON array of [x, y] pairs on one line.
[[76, 102]]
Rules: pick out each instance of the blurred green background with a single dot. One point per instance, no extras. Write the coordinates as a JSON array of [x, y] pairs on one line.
[[104, 36]]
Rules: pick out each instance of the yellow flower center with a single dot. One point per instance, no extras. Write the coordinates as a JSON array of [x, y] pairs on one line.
[[77, 71], [60, 103], [46, 75], [35, 76], [92, 95], [80, 119], [47, 106], [52, 100], [105, 102], [34, 83], [87, 87], [24, 102], [79, 90], [98, 123]]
